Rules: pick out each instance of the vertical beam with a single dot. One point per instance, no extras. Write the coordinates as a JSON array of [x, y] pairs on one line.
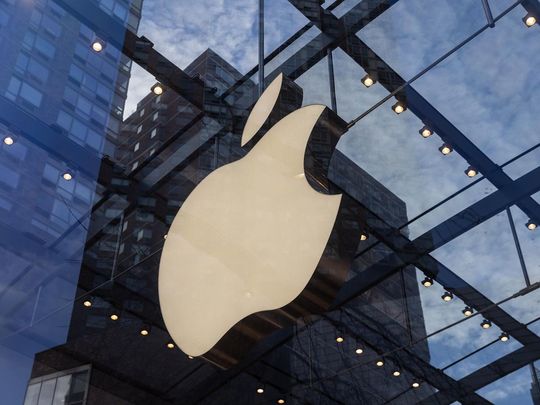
[[261, 46], [331, 80], [487, 11]]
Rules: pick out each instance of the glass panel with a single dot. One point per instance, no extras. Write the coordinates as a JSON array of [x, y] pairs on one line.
[[47, 392]]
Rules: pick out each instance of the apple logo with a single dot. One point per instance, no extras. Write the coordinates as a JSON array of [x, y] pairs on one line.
[[248, 239]]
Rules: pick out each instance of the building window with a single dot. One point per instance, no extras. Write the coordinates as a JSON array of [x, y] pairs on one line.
[[26, 92], [139, 129], [153, 133], [70, 387], [136, 147], [141, 113], [135, 165], [155, 116]]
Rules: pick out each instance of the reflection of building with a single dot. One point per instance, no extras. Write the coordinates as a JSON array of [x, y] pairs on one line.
[[55, 89], [166, 149]]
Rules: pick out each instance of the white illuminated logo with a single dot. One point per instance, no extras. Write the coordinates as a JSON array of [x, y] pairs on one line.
[[250, 235]]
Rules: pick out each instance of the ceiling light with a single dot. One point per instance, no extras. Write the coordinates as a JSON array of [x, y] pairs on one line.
[[368, 81], [98, 45], [67, 176], [471, 171], [114, 317], [396, 373], [157, 89], [8, 140], [427, 282], [359, 351], [260, 390], [485, 324], [87, 303], [281, 401], [447, 296], [380, 363], [415, 384], [145, 331], [529, 20], [467, 311], [531, 225], [445, 149], [504, 337], [170, 345], [339, 339], [364, 236], [425, 132], [399, 107], [165, 236]]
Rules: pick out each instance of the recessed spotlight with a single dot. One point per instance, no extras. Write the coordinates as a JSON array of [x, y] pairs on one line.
[[529, 20], [157, 89], [67, 176], [399, 107], [98, 45], [359, 351], [145, 331], [426, 132], [87, 303], [281, 401], [445, 149], [379, 363], [447, 296], [339, 339], [165, 236], [531, 225], [471, 171], [427, 282], [114, 317], [467, 311], [415, 384], [485, 324], [364, 236], [8, 140], [368, 81], [260, 390], [190, 357], [504, 337], [396, 373], [170, 345]]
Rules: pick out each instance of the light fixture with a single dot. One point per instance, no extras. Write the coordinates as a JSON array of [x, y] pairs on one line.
[[339, 339], [87, 303], [145, 330], [504, 337], [415, 384], [425, 131], [157, 89], [190, 357], [485, 324], [467, 311], [471, 171], [8, 140], [98, 45], [379, 363], [399, 107], [531, 225], [260, 389], [114, 317], [396, 373], [364, 236], [427, 282], [368, 81], [359, 351], [165, 236], [281, 401], [529, 20], [67, 176], [170, 345], [447, 296], [445, 149]]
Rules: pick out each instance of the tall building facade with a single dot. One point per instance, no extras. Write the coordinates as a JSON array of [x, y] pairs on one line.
[[61, 103]]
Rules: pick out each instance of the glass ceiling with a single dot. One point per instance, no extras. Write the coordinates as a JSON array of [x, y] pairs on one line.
[[95, 166]]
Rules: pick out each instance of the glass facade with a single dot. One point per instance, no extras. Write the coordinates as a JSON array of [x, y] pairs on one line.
[[112, 112]]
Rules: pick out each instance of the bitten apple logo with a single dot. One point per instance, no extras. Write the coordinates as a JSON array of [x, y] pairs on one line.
[[250, 236]]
